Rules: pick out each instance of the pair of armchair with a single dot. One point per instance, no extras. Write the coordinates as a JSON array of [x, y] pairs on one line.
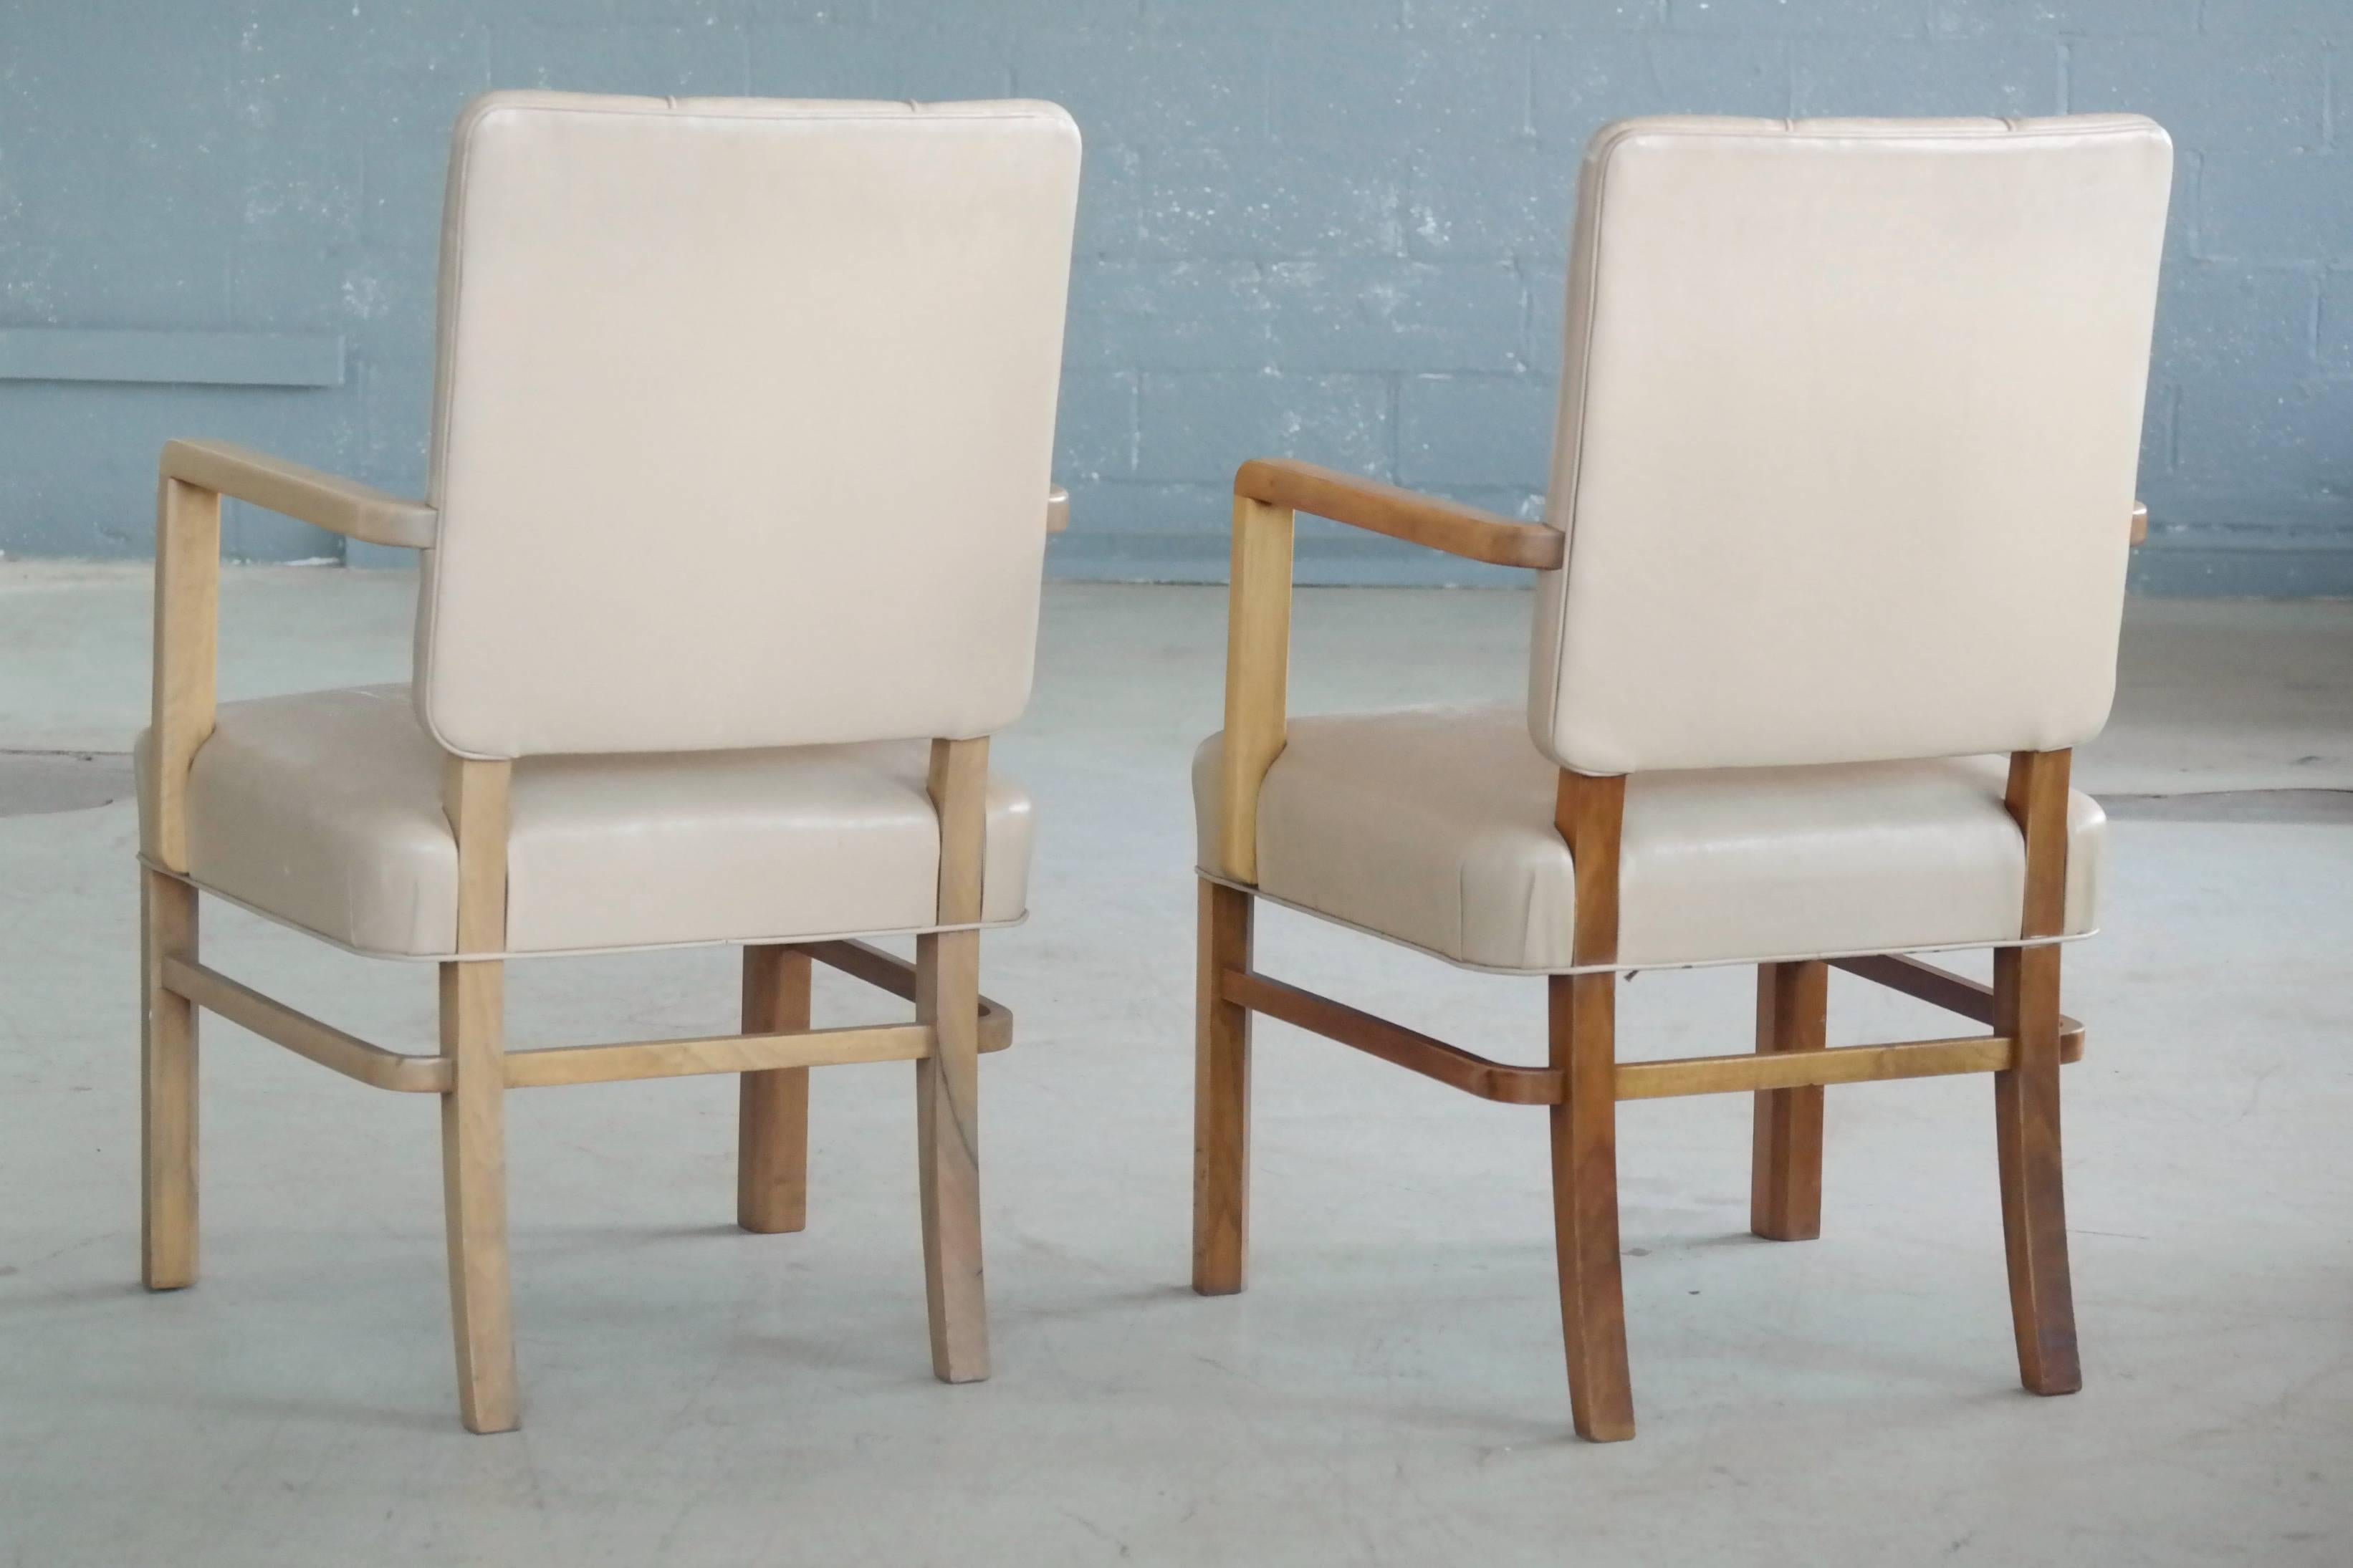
[[732, 568]]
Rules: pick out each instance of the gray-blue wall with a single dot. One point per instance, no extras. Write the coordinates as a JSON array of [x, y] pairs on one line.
[[1330, 227]]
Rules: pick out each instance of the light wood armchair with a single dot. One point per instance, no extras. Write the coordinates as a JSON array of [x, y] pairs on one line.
[[953, 1023], [1766, 722], [609, 756]]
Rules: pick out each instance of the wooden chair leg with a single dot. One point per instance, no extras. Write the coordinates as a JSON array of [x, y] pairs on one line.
[[947, 1131], [474, 1193], [772, 1157], [2034, 1202], [1585, 1206], [167, 1087], [1785, 1184], [1221, 1062]]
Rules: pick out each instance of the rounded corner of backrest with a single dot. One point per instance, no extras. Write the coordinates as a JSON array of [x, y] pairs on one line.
[[450, 731], [1646, 133], [2097, 706], [2161, 141], [2140, 132], [1063, 123], [1546, 628], [1541, 727], [1060, 143], [1615, 139], [2123, 121], [422, 705], [424, 697], [1610, 133], [478, 112]]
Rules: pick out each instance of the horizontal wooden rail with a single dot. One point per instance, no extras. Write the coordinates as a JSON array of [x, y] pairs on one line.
[[1954, 993], [1391, 1042], [1799, 1070], [555, 1064], [1747, 1072], [373, 1064], [303, 1035], [887, 972]]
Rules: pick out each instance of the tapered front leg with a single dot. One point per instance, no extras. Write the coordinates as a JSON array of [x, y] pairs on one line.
[[947, 1083], [2026, 1095], [475, 794], [771, 1155], [1785, 1186], [167, 1087], [947, 1131], [2033, 1196], [1221, 1063], [1583, 1016], [474, 1193]]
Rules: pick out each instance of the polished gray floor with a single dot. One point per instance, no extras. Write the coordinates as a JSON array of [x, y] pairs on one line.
[[1390, 1389]]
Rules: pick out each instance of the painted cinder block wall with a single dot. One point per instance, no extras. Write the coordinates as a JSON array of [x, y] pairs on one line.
[[1329, 227]]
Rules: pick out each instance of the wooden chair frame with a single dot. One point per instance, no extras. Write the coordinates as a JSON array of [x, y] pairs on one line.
[[953, 1023], [1582, 1081]]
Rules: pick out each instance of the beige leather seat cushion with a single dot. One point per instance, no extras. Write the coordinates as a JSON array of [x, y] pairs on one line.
[[1434, 826], [324, 810]]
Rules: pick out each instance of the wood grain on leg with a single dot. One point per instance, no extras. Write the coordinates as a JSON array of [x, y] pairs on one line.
[[167, 1084], [2026, 1097], [1585, 1206], [1582, 1010], [2033, 1200], [473, 1114], [188, 618], [1785, 1184], [1222, 1064], [947, 1083], [771, 1153]]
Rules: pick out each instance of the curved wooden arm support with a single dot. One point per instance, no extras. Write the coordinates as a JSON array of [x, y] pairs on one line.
[[191, 478], [309, 495], [2140, 522], [1368, 504], [1268, 492]]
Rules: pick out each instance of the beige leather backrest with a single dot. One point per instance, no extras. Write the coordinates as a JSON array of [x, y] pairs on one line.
[[1850, 418], [744, 421]]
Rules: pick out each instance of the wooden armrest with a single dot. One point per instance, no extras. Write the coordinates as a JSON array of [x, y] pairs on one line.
[[1269, 492], [1378, 507], [1058, 509], [2140, 522], [195, 476], [326, 501]]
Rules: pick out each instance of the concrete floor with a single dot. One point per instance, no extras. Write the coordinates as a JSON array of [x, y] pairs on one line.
[[1389, 1391]]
